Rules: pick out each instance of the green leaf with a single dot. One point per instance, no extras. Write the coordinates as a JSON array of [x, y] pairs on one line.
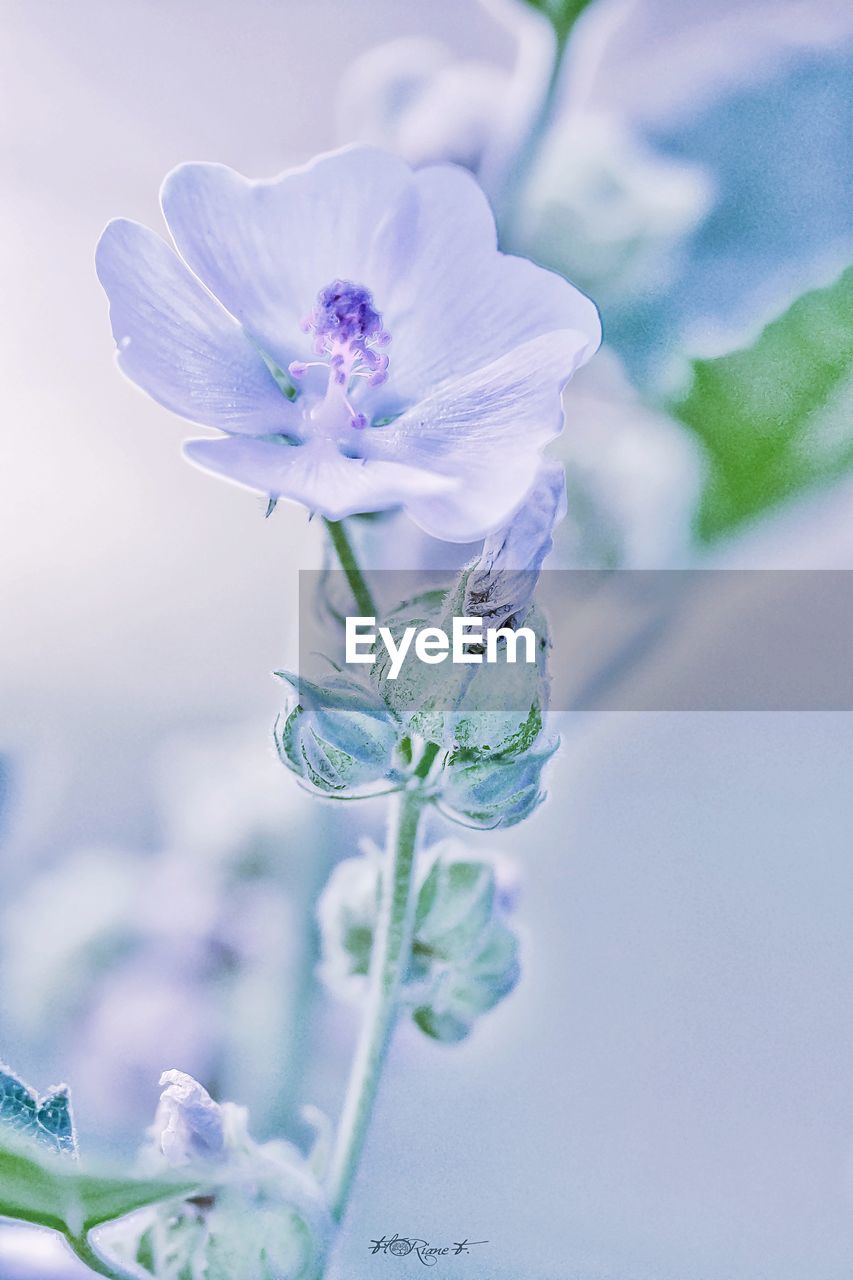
[[38, 1187], [775, 418], [102, 1199], [562, 14]]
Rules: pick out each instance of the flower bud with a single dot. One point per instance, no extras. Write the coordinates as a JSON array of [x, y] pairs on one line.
[[338, 737], [500, 586], [503, 708], [258, 1213], [188, 1126], [464, 956], [492, 792], [421, 697]]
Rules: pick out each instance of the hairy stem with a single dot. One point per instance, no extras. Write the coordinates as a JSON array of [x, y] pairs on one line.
[[391, 948], [362, 594]]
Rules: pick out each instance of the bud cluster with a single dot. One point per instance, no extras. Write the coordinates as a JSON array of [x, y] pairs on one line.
[[464, 954], [353, 737]]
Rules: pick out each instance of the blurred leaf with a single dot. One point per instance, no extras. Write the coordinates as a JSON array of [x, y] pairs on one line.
[[775, 418], [562, 14]]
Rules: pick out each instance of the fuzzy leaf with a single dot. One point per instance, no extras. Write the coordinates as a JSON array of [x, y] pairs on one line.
[[38, 1187]]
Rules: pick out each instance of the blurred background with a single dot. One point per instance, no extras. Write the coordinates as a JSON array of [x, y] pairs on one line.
[[667, 1095]]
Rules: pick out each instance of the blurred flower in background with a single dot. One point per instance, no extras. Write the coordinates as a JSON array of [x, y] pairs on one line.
[[603, 208], [595, 203], [415, 97], [418, 97], [119, 960], [633, 476]]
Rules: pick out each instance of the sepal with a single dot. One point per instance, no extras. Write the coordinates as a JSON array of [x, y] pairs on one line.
[[492, 792]]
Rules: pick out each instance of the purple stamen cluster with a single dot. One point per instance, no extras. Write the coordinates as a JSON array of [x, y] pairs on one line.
[[346, 311], [347, 331]]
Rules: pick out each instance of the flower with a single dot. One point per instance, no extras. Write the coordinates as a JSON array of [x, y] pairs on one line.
[[188, 1126], [353, 330], [116, 959], [411, 96], [416, 97]]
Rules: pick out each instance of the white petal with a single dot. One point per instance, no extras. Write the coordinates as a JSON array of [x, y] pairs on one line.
[[177, 343], [315, 474], [266, 249], [454, 302], [485, 431]]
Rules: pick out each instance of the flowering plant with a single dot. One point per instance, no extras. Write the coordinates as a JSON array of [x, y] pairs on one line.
[[355, 335], [354, 331], [385, 334]]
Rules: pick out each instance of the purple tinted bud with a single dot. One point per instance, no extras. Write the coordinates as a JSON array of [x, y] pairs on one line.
[[188, 1125]]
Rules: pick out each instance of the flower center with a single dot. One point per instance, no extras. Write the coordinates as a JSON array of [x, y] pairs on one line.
[[348, 337]]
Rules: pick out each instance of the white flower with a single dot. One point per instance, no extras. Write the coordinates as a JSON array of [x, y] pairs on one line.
[[188, 1126], [415, 97], [353, 330]]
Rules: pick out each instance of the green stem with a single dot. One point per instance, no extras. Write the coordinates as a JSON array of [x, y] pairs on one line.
[[391, 948], [427, 760], [86, 1252], [356, 579]]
